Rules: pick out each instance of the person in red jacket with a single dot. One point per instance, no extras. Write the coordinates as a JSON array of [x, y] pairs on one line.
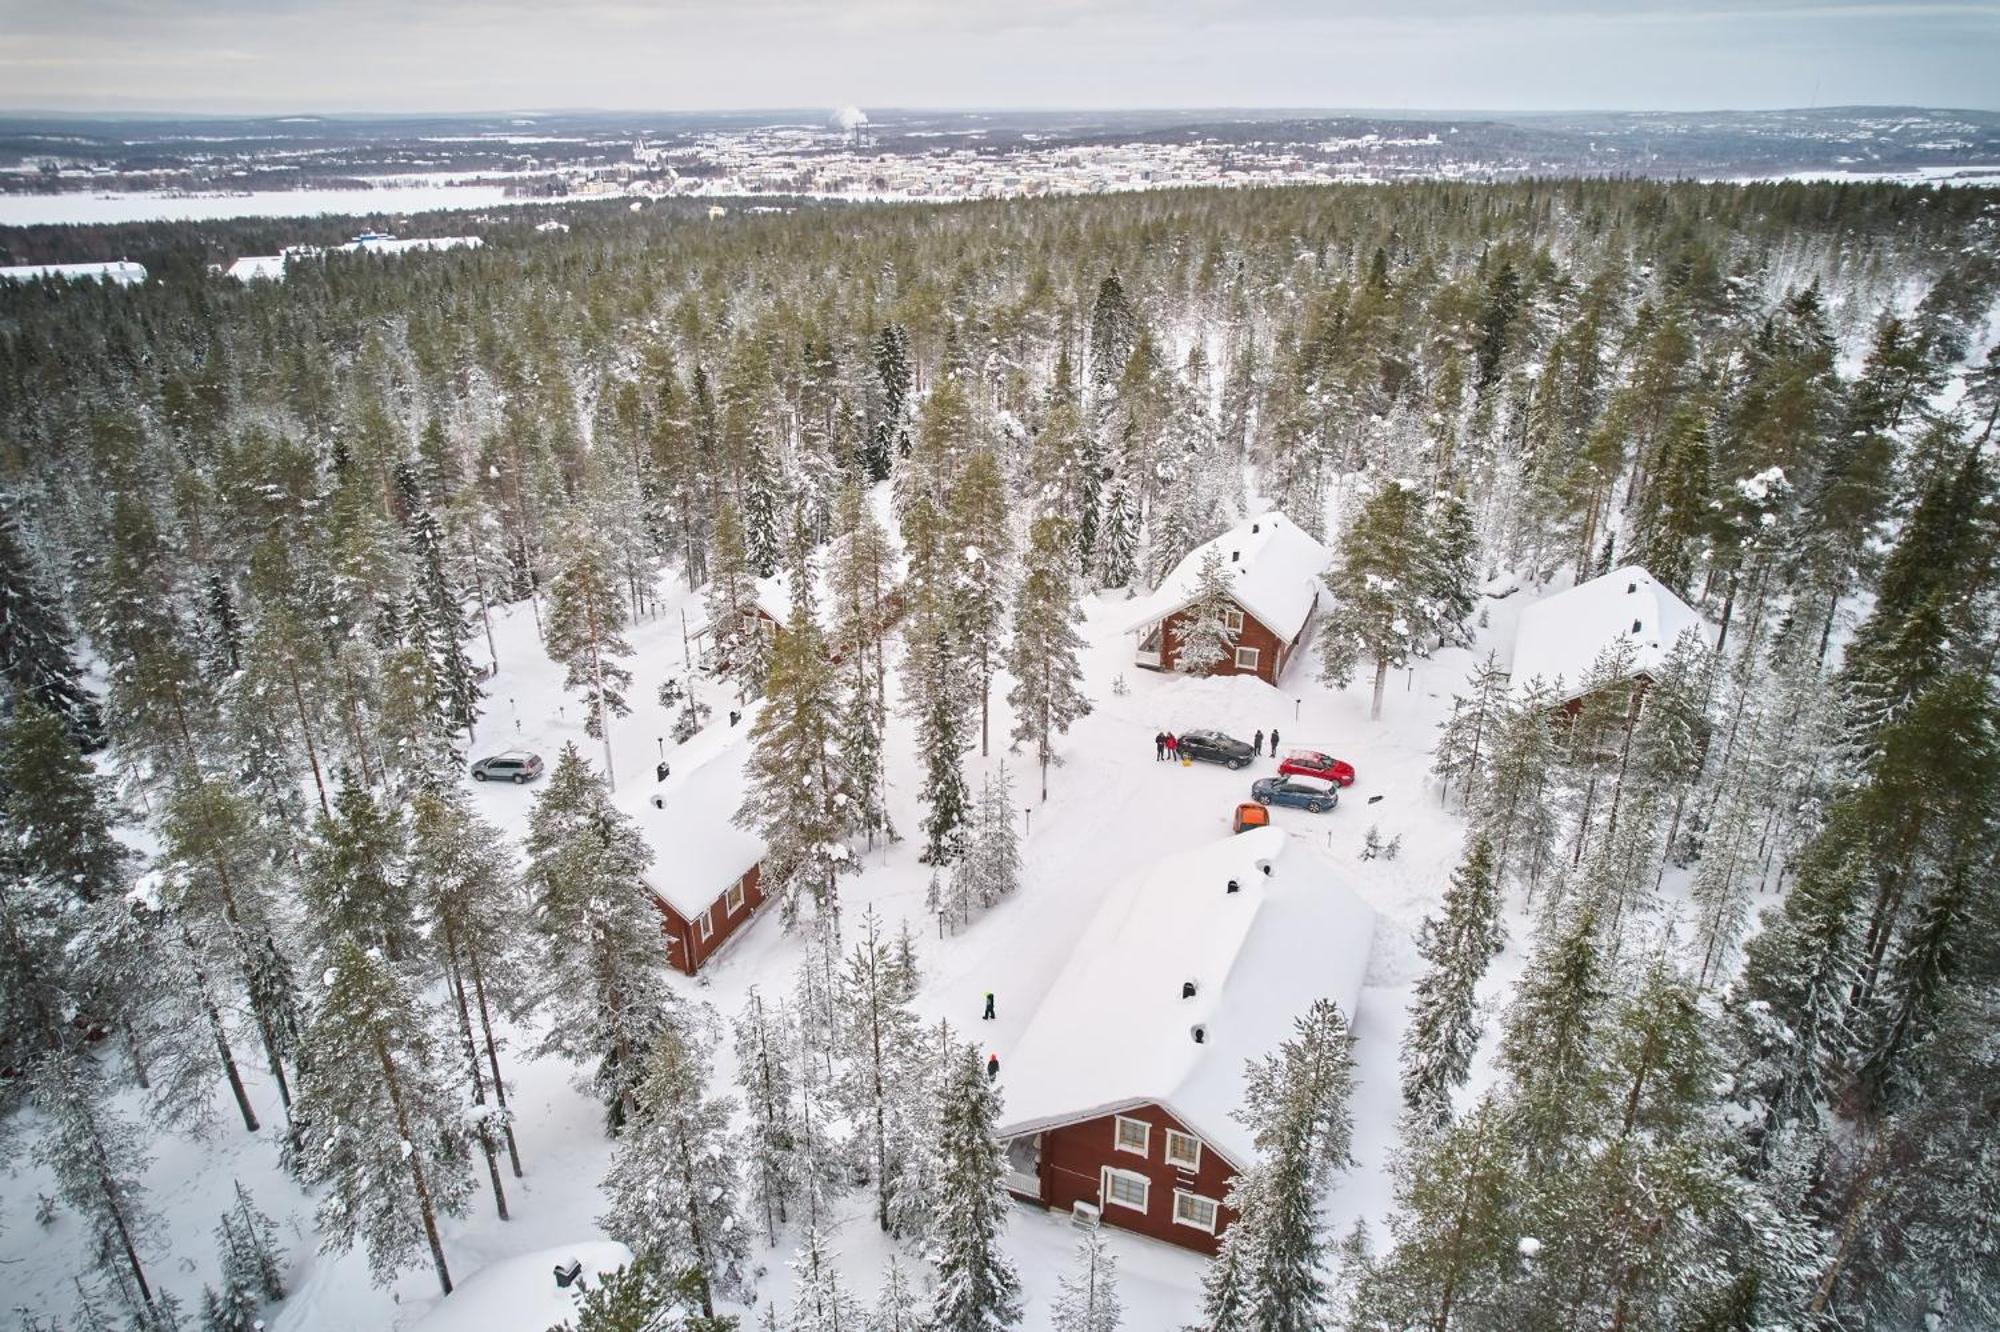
[[1173, 747]]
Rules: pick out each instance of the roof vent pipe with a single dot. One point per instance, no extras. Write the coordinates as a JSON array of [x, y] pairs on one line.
[[1255, 528], [1187, 989], [1199, 1032], [1636, 626], [1234, 887], [1235, 555], [1630, 588]]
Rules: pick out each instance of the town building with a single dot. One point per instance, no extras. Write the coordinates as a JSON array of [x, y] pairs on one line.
[[122, 273], [1560, 638], [1122, 1094], [705, 879], [1274, 571]]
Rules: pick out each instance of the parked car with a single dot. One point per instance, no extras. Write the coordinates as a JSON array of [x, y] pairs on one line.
[[516, 765], [1215, 747], [1312, 763], [1306, 793]]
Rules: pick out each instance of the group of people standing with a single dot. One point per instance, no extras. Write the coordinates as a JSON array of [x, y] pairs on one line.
[[1167, 745]]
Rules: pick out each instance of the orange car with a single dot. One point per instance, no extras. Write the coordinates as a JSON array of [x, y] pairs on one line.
[[1250, 814]]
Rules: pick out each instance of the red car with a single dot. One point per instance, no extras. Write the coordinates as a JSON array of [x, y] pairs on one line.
[[1308, 763]]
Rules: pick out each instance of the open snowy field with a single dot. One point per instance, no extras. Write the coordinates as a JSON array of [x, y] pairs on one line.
[[83, 209]]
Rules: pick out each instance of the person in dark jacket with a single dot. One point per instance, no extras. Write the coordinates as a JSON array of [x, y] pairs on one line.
[[1257, 744], [988, 1014], [992, 1067], [1159, 746], [1274, 742]]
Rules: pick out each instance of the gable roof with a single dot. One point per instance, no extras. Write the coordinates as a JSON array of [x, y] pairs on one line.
[[1274, 570], [1114, 1032], [698, 850], [1560, 637]]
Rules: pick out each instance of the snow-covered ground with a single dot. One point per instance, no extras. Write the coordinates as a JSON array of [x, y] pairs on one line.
[[1111, 809], [87, 209]]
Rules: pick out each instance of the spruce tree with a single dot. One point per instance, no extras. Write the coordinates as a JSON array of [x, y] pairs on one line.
[[977, 516], [1044, 657], [377, 1125], [1087, 1295], [54, 810], [672, 1184], [603, 967], [821, 1301], [1464, 748], [879, 1043], [974, 1288], [37, 647], [1456, 944], [98, 1165], [356, 881], [764, 1074]]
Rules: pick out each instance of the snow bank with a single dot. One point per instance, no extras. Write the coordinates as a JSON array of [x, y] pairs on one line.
[[520, 1294], [1114, 1030]]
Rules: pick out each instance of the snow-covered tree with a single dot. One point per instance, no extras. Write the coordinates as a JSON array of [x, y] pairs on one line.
[[1464, 748], [1203, 640], [603, 971], [764, 1074], [37, 646], [821, 1301], [875, 989], [98, 1164], [672, 1185], [377, 1125], [1385, 604], [1456, 944], [583, 635], [1044, 656], [1087, 1295], [974, 1288], [977, 516], [1118, 536]]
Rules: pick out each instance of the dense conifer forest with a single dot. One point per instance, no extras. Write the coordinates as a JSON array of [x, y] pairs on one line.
[[253, 539]]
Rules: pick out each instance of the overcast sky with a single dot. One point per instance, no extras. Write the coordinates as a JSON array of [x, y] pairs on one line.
[[466, 55]]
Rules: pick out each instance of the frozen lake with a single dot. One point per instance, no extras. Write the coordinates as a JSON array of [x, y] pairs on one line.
[[26, 210]]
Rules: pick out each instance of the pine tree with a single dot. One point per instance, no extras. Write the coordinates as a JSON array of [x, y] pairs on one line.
[[897, 1308], [37, 649], [602, 965], [441, 628], [1670, 526], [1551, 1044], [672, 1184], [880, 1038], [461, 873], [1464, 748], [586, 614], [977, 516], [640, 1297], [356, 883], [1517, 812], [794, 783], [821, 1302], [764, 1074], [1044, 657], [1203, 641], [975, 1288], [376, 1124], [992, 867], [1087, 1296], [1384, 597], [1444, 1025], [97, 1163]]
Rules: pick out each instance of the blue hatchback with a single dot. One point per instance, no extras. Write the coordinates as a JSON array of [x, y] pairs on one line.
[[1307, 793]]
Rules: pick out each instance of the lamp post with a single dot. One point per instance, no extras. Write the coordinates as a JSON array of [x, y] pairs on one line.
[[1028, 820]]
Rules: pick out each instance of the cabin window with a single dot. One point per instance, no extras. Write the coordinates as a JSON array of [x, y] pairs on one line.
[[1183, 1150], [1126, 1188], [1234, 620], [707, 924], [1133, 1135], [1247, 658], [1191, 1209], [732, 901]]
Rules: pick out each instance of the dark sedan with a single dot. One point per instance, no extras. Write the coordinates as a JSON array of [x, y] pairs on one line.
[[1215, 747]]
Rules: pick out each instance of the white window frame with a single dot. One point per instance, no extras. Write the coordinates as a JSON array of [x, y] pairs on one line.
[[1256, 655], [1111, 1199], [1214, 1211], [707, 923], [1145, 1147], [1233, 621], [732, 901], [1192, 1162]]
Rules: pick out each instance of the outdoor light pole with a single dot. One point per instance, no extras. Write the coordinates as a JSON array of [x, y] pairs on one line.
[[1028, 819]]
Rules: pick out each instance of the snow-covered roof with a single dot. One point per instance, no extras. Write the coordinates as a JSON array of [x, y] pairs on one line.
[[123, 272], [520, 1294], [259, 268], [1114, 1031], [1274, 570], [1560, 637], [773, 595], [374, 243], [698, 850]]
